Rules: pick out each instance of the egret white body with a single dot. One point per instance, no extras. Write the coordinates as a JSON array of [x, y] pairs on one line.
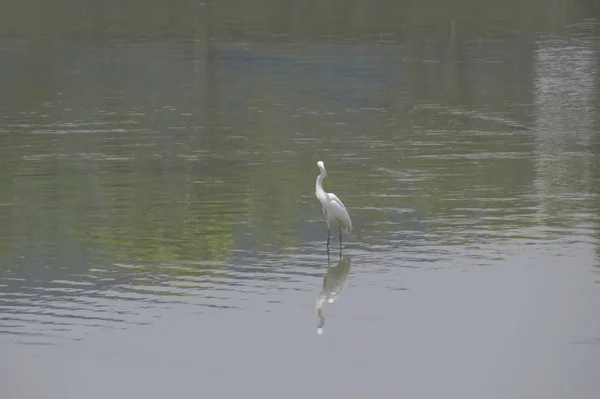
[[333, 209]]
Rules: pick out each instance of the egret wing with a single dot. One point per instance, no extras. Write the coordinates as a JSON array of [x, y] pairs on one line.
[[334, 199], [339, 212]]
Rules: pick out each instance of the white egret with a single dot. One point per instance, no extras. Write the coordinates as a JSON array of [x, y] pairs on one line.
[[333, 209]]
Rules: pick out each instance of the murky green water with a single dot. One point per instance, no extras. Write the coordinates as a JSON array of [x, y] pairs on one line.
[[159, 233]]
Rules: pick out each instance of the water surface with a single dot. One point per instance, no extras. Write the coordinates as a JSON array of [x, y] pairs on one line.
[[159, 233]]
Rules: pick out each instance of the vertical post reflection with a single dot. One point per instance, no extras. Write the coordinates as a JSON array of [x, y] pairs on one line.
[[565, 98]]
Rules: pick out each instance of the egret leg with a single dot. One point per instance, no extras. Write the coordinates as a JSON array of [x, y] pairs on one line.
[[328, 239]]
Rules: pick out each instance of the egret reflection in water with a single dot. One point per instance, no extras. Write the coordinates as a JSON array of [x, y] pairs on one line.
[[333, 282]]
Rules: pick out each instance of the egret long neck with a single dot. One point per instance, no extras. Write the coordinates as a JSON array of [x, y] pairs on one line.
[[319, 185]]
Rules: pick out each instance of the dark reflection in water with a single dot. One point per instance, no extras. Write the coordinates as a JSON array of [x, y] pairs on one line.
[[333, 282], [157, 192]]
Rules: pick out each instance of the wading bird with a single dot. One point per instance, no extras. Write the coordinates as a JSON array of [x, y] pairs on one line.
[[333, 209]]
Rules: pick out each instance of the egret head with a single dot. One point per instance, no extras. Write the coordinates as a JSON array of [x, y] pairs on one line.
[[321, 166]]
